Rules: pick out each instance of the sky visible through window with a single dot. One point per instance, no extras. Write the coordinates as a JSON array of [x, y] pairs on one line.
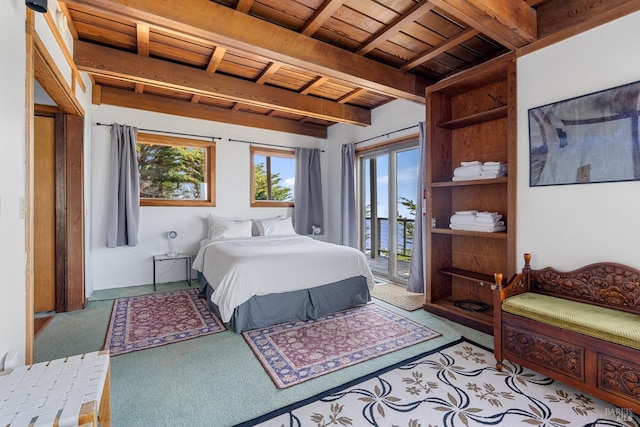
[[284, 167], [407, 181]]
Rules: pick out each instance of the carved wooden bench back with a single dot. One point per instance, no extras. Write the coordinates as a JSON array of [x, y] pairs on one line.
[[610, 285]]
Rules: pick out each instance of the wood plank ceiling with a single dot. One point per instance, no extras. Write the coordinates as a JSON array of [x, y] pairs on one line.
[[296, 66]]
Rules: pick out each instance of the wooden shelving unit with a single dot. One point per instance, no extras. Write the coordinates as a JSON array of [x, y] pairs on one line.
[[470, 116]]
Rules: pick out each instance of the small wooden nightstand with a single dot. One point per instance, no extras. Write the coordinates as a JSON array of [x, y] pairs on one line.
[[165, 257]]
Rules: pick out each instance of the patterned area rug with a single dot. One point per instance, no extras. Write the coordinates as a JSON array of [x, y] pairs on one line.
[[297, 351], [455, 385], [398, 296], [146, 321]]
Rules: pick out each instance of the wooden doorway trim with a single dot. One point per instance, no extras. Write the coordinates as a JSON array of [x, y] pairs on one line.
[[69, 213], [29, 117], [40, 66]]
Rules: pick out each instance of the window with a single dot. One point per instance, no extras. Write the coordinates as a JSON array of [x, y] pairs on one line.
[[388, 182], [272, 176], [175, 171]]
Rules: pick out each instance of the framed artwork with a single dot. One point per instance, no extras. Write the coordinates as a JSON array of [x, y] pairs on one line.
[[587, 139]]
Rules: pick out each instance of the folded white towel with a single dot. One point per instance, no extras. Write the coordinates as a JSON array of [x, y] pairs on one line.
[[471, 163], [469, 212], [463, 219], [473, 170], [481, 176], [477, 227], [487, 213], [492, 163], [492, 175], [486, 222], [492, 168]]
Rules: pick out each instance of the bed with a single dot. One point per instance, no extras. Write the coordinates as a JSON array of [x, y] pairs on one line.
[[262, 273]]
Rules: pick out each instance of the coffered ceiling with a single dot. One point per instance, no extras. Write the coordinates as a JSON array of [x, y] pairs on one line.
[[300, 66]]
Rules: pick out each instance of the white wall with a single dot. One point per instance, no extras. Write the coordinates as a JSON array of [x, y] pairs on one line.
[[12, 179], [129, 266], [569, 226]]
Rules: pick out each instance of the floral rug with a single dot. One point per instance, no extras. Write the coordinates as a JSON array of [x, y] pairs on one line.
[[455, 385], [297, 351], [152, 320]]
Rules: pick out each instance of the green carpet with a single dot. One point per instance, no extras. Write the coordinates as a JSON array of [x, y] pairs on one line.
[[213, 380]]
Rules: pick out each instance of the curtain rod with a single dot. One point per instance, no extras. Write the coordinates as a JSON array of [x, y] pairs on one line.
[[170, 133], [386, 134], [263, 143]]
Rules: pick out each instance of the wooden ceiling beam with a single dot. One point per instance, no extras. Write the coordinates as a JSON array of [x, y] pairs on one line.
[[561, 19], [420, 9], [351, 95], [511, 23], [227, 27], [104, 61], [323, 13], [142, 39], [314, 84], [441, 48], [214, 63], [244, 6], [160, 104], [142, 32], [268, 72]]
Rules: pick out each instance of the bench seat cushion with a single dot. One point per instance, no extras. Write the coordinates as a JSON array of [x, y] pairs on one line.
[[599, 322]]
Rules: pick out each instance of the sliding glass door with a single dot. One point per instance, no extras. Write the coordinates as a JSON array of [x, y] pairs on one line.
[[387, 180]]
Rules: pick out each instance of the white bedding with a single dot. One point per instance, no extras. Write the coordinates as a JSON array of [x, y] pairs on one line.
[[238, 269]]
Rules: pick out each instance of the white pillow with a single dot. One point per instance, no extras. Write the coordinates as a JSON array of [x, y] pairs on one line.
[[278, 228], [257, 229], [258, 224], [227, 228]]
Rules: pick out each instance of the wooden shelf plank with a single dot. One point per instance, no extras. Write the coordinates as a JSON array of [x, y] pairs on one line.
[[474, 119], [498, 235], [502, 180], [469, 275]]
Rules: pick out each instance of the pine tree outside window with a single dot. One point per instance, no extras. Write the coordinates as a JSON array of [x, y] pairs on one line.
[[175, 171], [272, 173]]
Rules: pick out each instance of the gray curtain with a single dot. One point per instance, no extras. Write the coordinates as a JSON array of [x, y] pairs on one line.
[[348, 221], [417, 265], [308, 213], [124, 198]]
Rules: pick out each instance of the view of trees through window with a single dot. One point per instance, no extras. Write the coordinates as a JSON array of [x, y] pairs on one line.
[[273, 176], [171, 172], [175, 171]]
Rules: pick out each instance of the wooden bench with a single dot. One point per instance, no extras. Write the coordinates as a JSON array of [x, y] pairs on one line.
[[74, 391], [580, 327]]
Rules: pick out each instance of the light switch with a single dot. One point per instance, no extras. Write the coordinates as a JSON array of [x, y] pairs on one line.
[[21, 208]]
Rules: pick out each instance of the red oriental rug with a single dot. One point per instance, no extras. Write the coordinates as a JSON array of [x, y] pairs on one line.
[[147, 321], [298, 351]]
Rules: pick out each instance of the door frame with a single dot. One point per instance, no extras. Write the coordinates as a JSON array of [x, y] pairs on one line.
[[40, 66]]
